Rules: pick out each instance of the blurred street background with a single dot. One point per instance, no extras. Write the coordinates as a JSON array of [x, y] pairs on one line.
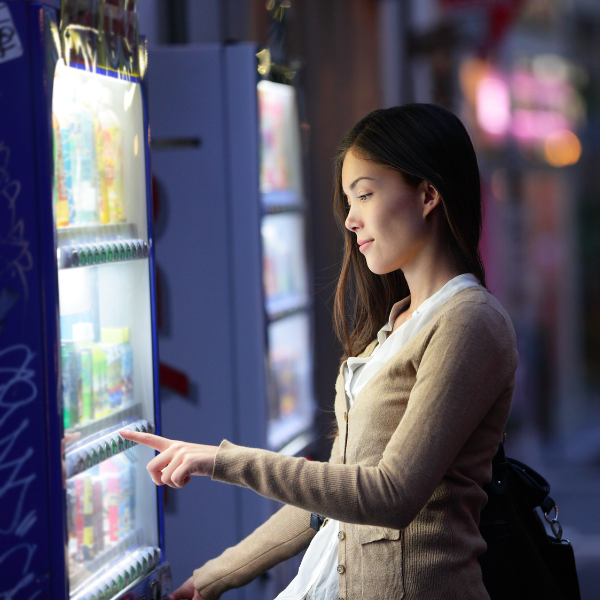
[[524, 76]]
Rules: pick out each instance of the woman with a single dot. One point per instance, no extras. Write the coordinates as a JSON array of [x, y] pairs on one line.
[[422, 396]]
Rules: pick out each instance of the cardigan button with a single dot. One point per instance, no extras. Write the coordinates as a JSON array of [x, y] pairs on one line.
[[341, 535], [345, 416], [341, 569]]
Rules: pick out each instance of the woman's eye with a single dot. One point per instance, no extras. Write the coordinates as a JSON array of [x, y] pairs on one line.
[[364, 197]]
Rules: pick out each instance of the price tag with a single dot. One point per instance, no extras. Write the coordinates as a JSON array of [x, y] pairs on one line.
[[10, 44]]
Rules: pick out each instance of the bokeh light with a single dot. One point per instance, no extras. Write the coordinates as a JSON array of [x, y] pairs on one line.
[[493, 105], [562, 148]]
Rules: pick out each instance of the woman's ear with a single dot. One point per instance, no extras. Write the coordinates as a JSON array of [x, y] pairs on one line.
[[431, 198]]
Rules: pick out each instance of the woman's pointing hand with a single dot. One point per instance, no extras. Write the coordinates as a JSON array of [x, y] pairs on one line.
[[177, 461]]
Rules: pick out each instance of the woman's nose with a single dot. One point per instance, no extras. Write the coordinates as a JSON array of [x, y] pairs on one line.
[[352, 222]]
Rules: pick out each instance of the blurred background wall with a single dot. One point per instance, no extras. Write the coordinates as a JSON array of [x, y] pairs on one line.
[[524, 76]]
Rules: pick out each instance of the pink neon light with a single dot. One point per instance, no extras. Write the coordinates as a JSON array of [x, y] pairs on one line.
[[493, 105], [528, 125]]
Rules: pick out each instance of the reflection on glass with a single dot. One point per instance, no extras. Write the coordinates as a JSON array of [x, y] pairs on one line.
[[290, 382], [105, 519], [280, 165], [284, 268]]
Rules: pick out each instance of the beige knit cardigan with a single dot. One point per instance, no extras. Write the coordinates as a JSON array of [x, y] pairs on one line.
[[406, 472]]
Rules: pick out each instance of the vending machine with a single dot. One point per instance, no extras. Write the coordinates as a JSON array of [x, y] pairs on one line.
[[233, 263], [81, 519]]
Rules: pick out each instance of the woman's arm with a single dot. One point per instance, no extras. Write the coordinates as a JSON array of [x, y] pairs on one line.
[[282, 536], [469, 361]]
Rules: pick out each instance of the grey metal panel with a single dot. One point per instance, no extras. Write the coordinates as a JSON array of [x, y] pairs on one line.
[[243, 154], [192, 251], [248, 317], [185, 83]]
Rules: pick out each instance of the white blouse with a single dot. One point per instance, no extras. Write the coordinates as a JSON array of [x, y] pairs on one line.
[[317, 577]]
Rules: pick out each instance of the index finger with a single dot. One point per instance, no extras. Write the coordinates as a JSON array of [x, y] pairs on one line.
[[148, 439]]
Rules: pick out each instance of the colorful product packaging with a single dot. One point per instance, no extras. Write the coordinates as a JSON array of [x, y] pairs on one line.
[[88, 517], [83, 334], [70, 383], [99, 381]]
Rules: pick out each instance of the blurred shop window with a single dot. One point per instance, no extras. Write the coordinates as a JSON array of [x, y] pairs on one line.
[[535, 104]]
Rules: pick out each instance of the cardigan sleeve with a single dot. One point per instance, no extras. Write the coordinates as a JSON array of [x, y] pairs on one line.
[[282, 536], [469, 361]]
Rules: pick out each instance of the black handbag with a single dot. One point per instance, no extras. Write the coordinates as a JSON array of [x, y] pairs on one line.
[[522, 560]]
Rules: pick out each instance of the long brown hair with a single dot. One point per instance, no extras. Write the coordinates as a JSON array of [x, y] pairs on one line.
[[421, 142]]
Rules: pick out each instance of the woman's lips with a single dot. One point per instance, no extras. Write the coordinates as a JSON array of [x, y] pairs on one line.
[[364, 245]]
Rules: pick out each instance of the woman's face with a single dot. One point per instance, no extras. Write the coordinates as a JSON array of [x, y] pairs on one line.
[[387, 215]]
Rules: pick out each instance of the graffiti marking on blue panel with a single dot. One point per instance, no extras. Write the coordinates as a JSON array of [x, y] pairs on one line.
[[17, 390], [10, 44], [15, 256]]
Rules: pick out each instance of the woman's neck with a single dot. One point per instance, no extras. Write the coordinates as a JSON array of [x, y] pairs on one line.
[[426, 275]]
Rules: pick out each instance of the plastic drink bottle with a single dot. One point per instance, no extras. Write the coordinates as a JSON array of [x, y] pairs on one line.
[[61, 200], [111, 479], [78, 492], [99, 381], [98, 516], [69, 383], [112, 155], [88, 517], [119, 357], [126, 494], [64, 116], [126, 365], [71, 518], [83, 334], [85, 180]]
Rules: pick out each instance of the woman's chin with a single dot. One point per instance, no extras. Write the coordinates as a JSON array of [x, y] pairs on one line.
[[377, 269]]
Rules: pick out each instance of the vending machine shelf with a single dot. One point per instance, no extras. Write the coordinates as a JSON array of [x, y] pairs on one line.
[[122, 576], [275, 203], [131, 563], [71, 234], [102, 447], [97, 253], [285, 305], [86, 429]]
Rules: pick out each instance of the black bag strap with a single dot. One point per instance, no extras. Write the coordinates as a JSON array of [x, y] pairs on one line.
[[534, 489]]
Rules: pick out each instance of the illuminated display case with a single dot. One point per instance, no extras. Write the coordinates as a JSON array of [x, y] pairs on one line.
[[285, 280]]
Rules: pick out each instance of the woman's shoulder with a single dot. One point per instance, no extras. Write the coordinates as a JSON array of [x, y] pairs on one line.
[[474, 308]]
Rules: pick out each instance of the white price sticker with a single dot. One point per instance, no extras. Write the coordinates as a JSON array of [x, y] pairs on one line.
[[10, 44]]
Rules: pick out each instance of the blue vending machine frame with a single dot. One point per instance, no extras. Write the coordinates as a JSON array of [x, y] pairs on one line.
[[33, 531]]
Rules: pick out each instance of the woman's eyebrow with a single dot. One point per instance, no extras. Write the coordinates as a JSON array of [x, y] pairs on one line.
[[351, 187]]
